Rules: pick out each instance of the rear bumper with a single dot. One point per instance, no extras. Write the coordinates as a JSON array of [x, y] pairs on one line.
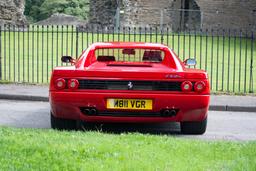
[[68, 105]]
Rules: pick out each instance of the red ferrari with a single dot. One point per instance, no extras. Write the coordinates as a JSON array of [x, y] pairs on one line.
[[129, 82]]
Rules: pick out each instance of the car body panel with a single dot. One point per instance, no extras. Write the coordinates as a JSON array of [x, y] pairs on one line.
[[67, 105]]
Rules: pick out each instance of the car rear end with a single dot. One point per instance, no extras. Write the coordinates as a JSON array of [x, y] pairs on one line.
[[142, 92]]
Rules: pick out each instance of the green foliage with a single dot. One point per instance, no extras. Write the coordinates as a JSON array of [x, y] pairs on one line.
[[37, 10], [32, 9], [35, 149]]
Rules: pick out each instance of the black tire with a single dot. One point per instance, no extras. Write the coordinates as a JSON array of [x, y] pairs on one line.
[[62, 124], [193, 127]]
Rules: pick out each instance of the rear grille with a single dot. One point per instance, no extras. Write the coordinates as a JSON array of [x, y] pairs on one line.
[[130, 85]]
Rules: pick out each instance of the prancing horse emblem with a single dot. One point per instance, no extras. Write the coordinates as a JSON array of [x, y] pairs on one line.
[[130, 85]]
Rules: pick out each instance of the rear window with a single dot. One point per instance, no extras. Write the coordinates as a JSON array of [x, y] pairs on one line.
[[129, 55]]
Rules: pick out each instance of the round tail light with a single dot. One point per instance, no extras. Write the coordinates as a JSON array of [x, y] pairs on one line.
[[73, 84], [199, 86], [186, 86], [60, 83]]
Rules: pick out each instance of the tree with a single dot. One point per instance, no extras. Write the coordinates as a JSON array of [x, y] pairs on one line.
[[32, 9], [41, 9]]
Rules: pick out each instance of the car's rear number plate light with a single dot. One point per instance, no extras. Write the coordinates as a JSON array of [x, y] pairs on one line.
[[134, 104]]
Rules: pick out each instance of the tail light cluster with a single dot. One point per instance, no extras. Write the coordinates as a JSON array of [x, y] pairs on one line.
[[61, 84], [73, 84], [198, 86], [186, 86]]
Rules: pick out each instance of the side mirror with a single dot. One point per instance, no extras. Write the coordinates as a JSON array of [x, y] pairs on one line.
[[67, 59], [190, 62]]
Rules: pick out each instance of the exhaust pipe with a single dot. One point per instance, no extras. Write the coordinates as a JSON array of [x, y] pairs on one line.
[[87, 111], [93, 111], [167, 112], [173, 112]]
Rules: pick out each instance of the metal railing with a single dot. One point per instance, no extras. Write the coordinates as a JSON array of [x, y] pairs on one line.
[[28, 54]]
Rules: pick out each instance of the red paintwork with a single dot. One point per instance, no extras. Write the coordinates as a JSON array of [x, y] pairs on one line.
[[193, 106]]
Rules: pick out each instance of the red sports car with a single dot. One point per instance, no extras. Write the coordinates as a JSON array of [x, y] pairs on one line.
[[129, 82]]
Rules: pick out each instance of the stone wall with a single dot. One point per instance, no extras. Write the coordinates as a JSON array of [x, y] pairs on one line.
[[228, 14], [148, 12], [11, 12], [205, 14], [102, 12]]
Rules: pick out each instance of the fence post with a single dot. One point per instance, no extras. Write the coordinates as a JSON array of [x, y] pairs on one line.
[[77, 41], [0, 52], [161, 26], [251, 66]]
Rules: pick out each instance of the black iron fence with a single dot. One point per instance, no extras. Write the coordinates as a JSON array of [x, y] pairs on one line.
[[28, 54]]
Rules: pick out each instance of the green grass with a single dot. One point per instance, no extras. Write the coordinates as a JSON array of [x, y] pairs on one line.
[[5, 82], [227, 60], [35, 149]]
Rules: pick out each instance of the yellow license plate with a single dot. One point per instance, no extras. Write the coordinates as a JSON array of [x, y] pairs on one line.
[[137, 104]]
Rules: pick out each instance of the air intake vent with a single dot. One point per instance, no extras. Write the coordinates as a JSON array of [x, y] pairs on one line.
[[130, 85]]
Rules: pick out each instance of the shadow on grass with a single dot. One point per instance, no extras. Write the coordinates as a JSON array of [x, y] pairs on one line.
[[172, 128]]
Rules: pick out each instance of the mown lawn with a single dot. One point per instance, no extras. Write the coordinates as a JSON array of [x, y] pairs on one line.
[[36, 149], [30, 56]]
